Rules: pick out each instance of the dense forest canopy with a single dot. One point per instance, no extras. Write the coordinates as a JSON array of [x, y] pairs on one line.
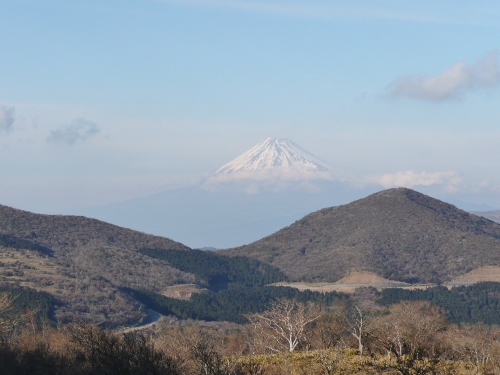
[[467, 304], [27, 300], [8, 240], [237, 286], [219, 270]]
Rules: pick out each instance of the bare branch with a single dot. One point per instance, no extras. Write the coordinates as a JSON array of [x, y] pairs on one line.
[[283, 324]]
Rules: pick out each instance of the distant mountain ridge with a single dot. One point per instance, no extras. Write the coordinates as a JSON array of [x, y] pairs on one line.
[[398, 234]]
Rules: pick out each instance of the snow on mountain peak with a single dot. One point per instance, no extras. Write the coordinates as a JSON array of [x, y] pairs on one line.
[[272, 154], [274, 164]]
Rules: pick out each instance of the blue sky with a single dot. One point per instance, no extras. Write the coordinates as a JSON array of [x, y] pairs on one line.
[[102, 101]]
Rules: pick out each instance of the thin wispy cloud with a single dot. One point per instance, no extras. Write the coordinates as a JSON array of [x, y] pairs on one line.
[[78, 131], [311, 10], [410, 179], [451, 83], [6, 119]]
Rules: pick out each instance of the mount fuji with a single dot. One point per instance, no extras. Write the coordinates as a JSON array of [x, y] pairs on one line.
[[265, 188], [276, 164], [277, 154]]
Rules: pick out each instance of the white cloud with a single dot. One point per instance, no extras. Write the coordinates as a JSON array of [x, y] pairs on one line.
[[411, 179], [78, 131], [6, 119], [451, 83]]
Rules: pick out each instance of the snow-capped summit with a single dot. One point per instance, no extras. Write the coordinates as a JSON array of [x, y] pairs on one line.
[[275, 153], [274, 164]]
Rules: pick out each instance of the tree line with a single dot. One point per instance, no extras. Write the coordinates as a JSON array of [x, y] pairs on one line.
[[479, 302], [219, 271], [22, 299], [10, 241], [230, 304]]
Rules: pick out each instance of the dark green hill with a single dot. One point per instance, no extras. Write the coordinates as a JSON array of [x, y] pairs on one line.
[[399, 234]]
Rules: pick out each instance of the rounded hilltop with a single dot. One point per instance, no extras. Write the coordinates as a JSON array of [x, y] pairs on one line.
[[399, 234]]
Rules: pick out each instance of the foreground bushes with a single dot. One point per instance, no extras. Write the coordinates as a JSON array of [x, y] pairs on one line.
[[85, 350], [410, 338]]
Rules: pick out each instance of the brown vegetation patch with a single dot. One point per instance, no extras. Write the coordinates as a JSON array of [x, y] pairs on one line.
[[487, 273], [364, 277], [182, 291], [349, 284]]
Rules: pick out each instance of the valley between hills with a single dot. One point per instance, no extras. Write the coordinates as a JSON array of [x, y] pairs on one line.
[[93, 271]]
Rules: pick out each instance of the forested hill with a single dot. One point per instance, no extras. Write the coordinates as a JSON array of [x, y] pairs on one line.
[[399, 234], [83, 263]]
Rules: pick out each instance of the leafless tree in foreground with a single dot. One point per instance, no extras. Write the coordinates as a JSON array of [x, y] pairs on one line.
[[412, 335], [282, 326], [357, 322], [477, 344]]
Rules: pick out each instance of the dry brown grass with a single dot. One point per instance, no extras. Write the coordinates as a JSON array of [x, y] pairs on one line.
[[30, 269], [364, 277], [350, 283], [487, 273], [182, 291]]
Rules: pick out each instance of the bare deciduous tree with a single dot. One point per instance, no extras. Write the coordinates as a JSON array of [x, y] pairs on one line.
[[357, 322], [199, 350], [477, 344], [283, 324], [411, 336], [324, 333]]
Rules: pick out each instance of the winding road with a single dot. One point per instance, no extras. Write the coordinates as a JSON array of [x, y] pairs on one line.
[[151, 319]]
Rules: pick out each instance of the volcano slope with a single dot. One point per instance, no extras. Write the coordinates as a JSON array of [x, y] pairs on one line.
[[398, 234], [84, 263]]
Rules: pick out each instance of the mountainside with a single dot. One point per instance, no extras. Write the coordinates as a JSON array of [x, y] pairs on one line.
[[399, 234], [83, 262]]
